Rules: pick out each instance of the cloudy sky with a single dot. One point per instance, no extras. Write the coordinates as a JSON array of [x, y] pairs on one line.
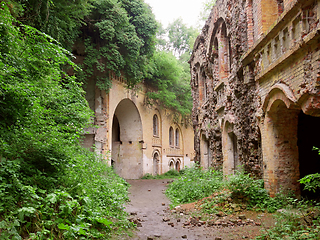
[[166, 11]]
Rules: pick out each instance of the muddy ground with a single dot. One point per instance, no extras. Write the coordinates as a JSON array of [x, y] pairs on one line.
[[149, 209]]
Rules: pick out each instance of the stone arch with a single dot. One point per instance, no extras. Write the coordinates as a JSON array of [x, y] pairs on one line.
[[281, 92], [195, 70], [224, 53], [156, 157], [213, 36], [127, 138]]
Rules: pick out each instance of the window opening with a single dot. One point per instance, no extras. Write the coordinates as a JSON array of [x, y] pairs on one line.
[[171, 136], [155, 125], [116, 129], [177, 138]]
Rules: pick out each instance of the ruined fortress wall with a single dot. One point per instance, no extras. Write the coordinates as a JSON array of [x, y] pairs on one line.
[[255, 71], [227, 115]]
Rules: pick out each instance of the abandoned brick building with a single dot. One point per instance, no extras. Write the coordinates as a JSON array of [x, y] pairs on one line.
[[136, 137], [255, 83]]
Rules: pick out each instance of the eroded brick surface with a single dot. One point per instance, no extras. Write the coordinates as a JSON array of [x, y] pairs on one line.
[[255, 68]]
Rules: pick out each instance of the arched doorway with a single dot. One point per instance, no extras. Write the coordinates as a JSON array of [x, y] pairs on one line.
[[126, 141], [178, 165], [156, 161], [230, 153], [279, 146], [171, 164], [205, 153]]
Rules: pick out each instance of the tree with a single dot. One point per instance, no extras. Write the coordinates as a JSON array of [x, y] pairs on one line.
[[59, 18], [206, 9], [181, 37], [169, 71], [119, 36], [169, 88]]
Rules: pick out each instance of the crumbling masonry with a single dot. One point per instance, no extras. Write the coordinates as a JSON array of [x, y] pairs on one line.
[[255, 84]]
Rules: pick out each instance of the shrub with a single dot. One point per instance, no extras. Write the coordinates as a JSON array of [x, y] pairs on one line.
[[194, 184], [252, 192]]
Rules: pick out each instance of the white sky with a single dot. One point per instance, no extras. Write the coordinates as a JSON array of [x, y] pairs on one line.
[[166, 11]]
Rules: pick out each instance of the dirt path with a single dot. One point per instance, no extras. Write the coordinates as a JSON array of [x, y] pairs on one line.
[[149, 208]]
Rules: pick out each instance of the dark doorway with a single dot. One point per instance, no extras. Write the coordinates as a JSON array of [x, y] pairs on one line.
[[115, 129], [308, 137], [155, 164]]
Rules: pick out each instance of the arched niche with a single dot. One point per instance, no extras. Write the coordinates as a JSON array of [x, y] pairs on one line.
[[205, 159], [220, 49], [156, 163], [230, 149]]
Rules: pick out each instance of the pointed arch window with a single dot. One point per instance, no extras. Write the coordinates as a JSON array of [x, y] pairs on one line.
[[155, 125], [171, 137], [177, 138]]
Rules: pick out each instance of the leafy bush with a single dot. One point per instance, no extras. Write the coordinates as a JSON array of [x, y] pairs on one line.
[[194, 184], [311, 182], [252, 192]]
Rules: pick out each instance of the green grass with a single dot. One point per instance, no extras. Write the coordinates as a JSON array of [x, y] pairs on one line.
[[168, 175]]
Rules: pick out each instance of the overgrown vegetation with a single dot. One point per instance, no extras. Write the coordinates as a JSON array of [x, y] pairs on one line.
[[50, 187], [213, 194], [196, 184], [169, 71], [118, 36]]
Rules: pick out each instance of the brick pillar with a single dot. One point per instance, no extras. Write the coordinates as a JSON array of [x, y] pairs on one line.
[[266, 13], [249, 9]]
